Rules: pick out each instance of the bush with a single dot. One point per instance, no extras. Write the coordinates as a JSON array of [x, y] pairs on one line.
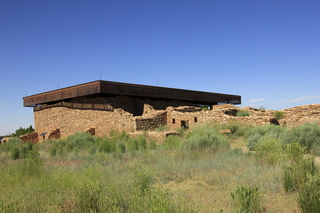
[[278, 115], [171, 142], [309, 196], [15, 153], [106, 145], [88, 197], [307, 135], [246, 199], [243, 113], [205, 137], [152, 144], [262, 133], [262, 108], [271, 150], [296, 172], [80, 140]]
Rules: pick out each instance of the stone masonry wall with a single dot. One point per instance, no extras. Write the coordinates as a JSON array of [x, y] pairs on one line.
[[69, 120], [151, 123], [103, 114]]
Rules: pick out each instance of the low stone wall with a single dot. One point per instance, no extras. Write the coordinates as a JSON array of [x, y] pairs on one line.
[[301, 114], [151, 123], [32, 137]]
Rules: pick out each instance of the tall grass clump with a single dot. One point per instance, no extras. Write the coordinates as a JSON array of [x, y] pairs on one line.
[[75, 142], [205, 137], [307, 135], [13, 143], [89, 197], [80, 140], [309, 195], [262, 133], [298, 168], [107, 145], [171, 142], [246, 199], [271, 151]]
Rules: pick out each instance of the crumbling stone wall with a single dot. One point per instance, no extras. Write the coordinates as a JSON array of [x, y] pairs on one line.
[[100, 115], [152, 122], [31, 137], [301, 114]]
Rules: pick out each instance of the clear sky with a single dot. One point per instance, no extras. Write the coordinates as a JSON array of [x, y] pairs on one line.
[[267, 51]]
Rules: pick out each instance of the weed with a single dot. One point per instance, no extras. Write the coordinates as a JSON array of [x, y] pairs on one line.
[[278, 115], [297, 170], [271, 150], [246, 199], [88, 197], [309, 196]]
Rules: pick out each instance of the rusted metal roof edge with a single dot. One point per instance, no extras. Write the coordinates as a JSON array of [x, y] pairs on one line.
[[118, 88], [62, 94]]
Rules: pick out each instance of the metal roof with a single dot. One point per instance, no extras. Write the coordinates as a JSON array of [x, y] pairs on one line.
[[107, 88]]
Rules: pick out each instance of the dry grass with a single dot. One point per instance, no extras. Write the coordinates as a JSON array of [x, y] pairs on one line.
[[201, 180]]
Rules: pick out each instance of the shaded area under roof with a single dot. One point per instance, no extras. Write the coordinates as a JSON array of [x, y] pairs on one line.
[[107, 88]]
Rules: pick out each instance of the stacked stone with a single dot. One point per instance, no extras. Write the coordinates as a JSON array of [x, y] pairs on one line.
[[32, 137]]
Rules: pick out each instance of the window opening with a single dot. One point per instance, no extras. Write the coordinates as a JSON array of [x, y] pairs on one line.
[[185, 124]]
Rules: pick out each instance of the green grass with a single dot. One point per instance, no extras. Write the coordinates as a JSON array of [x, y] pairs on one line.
[[195, 173]]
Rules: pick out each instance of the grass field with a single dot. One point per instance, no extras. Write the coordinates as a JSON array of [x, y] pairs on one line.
[[202, 171]]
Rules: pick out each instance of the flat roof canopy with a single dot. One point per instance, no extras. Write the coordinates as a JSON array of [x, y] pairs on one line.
[[105, 88]]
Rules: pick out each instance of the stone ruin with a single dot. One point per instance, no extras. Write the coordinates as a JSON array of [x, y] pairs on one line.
[[63, 119]]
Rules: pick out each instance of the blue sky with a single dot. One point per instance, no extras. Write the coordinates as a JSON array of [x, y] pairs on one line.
[[267, 51]]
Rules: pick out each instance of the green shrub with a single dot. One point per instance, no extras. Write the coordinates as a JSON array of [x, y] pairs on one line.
[[309, 195], [278, 115], [15, 153], [181, 130], [243, 113], [15, 140], [121, 146], [107, 145], [57, 147], [162, 128], [142, 142], [171, 142], [246, 199], [262, 108], [262, 133], [298, 168], [271, 150], [307, 135], [88, 197], [205, 137], [152, 144], [132, 145], [80, 140]]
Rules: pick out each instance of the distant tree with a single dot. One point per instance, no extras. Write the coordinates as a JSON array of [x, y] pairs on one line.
[[22, 131]]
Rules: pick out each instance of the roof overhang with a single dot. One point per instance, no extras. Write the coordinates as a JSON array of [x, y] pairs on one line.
[[105, 88]]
